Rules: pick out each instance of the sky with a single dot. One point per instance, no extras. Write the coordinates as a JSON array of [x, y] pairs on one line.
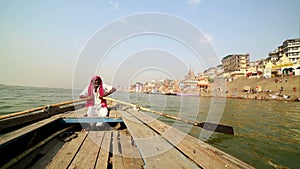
[[63, 43]]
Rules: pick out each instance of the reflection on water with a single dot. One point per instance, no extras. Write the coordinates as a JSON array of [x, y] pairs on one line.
[[267, 133]]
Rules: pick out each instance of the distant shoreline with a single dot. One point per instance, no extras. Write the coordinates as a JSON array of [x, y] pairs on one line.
[[278, 88]]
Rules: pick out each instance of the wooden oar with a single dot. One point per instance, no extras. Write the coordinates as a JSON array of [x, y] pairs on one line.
[[205, 125], [40, 108]]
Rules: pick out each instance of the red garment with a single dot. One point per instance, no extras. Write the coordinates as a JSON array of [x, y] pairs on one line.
[[91, 93]]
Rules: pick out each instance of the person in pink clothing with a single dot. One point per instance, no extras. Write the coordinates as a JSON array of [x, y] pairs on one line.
[[95, 92]]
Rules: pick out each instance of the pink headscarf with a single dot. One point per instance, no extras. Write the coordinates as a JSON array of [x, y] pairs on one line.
[[91, 93]]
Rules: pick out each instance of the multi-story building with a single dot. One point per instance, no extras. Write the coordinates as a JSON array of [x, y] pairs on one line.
[[275, 55], [211, 72], [285, 58], [220, 70], [236, 64], [290, 47]]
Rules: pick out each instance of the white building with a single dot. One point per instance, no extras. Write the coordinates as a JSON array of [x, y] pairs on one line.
[[236, 65], [290, 48]]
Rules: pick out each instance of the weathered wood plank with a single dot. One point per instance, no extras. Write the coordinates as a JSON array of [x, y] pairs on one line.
[[47, 153], [30, 116], [112, 113], [131, 156], [102, 161], [118, 114], [15, 121], [200, 152], [88, 152], [154, 149], [66, 154], [117, 160], [82, 112], [75, 113], [17, 133]]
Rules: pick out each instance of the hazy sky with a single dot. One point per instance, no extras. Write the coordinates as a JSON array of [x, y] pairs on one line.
[[60, 43]]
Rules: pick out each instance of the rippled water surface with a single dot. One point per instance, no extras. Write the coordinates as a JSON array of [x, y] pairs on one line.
[[267, 133], [19, 98]]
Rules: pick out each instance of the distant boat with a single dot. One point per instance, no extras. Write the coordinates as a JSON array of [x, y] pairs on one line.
[[168, 93]]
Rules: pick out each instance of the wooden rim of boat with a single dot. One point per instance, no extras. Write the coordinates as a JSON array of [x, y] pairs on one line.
[[41, 108]]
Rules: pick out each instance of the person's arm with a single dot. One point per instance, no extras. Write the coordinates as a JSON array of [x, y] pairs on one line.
[[108, 90], [84, 94]]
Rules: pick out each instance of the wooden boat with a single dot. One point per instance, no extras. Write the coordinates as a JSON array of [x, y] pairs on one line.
[[52, 137]]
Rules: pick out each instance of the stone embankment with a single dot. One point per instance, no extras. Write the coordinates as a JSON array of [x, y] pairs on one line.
[[279, 88]]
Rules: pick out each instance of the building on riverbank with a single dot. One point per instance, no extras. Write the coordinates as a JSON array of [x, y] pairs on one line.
[[286, 58], [235, 65], [282, 63], [290, 48]]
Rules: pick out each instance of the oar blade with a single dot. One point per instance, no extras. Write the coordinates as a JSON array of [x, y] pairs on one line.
[[216, 127]]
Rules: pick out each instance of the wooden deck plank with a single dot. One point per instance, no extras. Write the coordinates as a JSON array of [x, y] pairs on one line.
[[131, 156], [28, 116], [117, 160], [75, 113], [199, 151], [88, 152], [118, 114], [18, 133], [47, 153], [66, 154], [114, 113], [155, 150], [82, 112], [102, 161]]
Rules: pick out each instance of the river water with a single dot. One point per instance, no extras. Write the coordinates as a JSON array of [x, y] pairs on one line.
[[267, 133]]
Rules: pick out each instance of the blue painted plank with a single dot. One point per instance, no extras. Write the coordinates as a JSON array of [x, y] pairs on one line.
[[90, 120]]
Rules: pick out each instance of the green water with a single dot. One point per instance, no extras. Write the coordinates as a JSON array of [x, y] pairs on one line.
[[19, 98], [267, 133]]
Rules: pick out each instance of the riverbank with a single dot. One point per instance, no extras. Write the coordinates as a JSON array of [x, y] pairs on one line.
[[279, 88]]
